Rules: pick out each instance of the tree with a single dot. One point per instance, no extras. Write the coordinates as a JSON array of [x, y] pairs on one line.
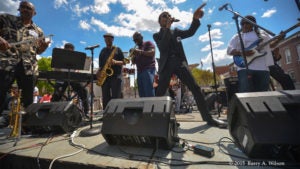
[[204, 77], [44, 65]]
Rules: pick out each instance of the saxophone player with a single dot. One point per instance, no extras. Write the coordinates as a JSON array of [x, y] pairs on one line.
[[112, 58]]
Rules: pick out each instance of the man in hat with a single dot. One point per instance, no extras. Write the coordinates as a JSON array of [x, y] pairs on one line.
[[19, 62], [257, 77], [112, 86]]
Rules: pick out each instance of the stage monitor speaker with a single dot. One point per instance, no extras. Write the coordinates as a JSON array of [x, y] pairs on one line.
[[144, 122], [52, 117], [266, 124], [232, 86]]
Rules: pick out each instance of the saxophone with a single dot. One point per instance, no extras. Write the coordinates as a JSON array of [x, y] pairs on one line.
[[15, 117], [106, 69]]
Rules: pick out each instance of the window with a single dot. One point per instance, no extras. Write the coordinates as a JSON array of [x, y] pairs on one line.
[[288, 57], [298, 51]]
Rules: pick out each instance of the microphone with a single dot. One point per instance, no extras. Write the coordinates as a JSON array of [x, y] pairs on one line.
[[92, 47], [223, 6], [175, 20]]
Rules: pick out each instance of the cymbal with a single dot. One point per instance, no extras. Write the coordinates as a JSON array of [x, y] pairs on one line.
[[192, 66]]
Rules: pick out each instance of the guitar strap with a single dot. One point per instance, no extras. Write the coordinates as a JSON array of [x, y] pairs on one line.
[[258, 33]]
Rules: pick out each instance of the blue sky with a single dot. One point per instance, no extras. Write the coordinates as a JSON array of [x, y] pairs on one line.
[[83, 22]]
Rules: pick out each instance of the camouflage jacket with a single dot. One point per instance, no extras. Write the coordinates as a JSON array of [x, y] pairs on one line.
[[12, 30]]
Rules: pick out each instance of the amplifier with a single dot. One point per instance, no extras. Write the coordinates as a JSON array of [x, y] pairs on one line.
[[266, 124], [52, 117], [146, 122]]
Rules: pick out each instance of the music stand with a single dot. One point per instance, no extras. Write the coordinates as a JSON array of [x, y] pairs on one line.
[[67, 59]]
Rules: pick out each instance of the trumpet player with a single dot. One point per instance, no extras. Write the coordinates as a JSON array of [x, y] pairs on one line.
[[144, 58], [19, 62], [111, 87]]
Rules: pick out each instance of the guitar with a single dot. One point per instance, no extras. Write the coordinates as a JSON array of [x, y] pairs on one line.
[[30, 41], [256, 47]]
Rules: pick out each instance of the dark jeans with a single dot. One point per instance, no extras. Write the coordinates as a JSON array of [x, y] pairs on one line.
[[25, 82], [253, 80], [60, 88], [180, 68], [285, 80], [111, 89]]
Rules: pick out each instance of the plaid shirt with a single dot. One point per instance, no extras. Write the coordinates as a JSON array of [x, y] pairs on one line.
[[13, 30]]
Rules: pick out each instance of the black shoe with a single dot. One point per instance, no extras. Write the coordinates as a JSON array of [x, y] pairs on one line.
[[217, 123]]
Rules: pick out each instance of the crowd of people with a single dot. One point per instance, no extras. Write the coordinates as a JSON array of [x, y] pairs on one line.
[[18, 64]]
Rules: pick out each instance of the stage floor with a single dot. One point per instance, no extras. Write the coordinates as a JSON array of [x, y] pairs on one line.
[[49, 151]]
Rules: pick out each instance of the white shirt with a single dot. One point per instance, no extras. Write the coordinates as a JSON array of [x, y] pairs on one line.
[[260, 63]]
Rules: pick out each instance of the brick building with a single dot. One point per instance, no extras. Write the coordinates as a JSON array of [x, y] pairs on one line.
[[290, 57]]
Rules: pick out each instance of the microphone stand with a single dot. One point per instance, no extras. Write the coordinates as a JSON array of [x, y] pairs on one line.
[[91, 131], [214, 71]]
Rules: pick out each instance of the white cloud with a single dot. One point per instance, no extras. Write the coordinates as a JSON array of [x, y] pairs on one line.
[[269, 13], [102, 6], [84, 25], [59, 3], [142, 15], [78, 10], [220, 58], [116, 30], [210, 10], [215, 34], [9, 6], [178, 1], [139, 16], [219, 24], [82, 42], [215, 44]]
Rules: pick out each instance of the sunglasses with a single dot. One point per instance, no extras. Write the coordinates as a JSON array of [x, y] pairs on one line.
[[243, 23], [26, 7], [166, 15]]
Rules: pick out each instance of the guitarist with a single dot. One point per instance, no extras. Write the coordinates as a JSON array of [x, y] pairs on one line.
[[19, 62], [257, 77]]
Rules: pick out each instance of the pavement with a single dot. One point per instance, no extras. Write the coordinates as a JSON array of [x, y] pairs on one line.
[[70, 150]]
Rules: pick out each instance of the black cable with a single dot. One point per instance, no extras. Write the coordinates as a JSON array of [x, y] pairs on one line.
[[41, 148]]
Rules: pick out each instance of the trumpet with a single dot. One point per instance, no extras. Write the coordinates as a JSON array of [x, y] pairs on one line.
[[15, 116], [131, 56]]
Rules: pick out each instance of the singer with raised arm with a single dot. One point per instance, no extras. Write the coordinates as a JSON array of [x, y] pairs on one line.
[[111, 61], [19, 62], [173, 60]]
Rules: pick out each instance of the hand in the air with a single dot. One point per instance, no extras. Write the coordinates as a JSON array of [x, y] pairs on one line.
[[199, 12]]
